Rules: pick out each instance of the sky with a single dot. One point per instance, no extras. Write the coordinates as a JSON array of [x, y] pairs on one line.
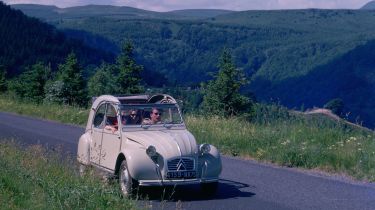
[[238, 5]]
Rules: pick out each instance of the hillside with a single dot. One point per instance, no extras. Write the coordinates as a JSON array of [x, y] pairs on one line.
[[298, 57], [349, 77], [54, 14], [369, 6], [25, 40]]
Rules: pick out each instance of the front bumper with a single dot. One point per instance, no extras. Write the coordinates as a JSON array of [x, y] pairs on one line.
[[170, 182]]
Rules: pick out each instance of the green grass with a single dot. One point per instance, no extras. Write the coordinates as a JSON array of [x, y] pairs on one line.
[[312, 143], [32, 178], [274, 136], [64, 114]]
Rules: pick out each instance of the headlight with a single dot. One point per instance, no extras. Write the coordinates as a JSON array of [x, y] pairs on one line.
[[151, 151], [204, 148]]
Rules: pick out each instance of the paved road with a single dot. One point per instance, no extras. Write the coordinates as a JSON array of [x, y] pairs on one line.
[[243, 185]]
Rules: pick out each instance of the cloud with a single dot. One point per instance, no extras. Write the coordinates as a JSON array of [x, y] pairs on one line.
[[167, 5]]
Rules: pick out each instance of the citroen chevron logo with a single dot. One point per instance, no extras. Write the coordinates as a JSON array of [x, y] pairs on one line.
[[181, 166]]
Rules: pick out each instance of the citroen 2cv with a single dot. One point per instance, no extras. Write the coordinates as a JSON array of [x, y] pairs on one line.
[[143, 141]]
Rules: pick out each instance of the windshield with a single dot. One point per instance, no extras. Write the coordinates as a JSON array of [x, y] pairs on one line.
[[149, 114]]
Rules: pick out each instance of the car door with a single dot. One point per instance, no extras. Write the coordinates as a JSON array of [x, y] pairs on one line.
[[111, 140], [97, 134]]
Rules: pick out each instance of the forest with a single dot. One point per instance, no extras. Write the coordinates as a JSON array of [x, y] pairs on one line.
[[299, 58], [25, 41]]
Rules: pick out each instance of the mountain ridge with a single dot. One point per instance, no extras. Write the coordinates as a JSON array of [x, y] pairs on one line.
[[369, 6], [93, 10]]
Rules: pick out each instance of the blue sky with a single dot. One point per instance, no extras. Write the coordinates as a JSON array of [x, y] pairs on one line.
[[168, 5]]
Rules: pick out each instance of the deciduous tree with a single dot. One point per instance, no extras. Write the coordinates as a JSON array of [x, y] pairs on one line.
[[30, 84], [336, 106]]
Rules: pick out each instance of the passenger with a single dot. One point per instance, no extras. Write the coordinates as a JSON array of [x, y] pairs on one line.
[[155, 117], [123, 117], [133, 118], [111, 124]]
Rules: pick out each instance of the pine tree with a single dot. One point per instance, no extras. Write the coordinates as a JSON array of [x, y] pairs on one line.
[[74, 87], [129, 72], [103, 81], [221, 95]]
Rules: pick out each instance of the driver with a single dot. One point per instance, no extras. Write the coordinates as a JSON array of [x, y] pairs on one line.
[[155, 117]]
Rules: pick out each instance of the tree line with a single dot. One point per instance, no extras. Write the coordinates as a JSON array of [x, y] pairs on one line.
[[66, 85], [38, 83]]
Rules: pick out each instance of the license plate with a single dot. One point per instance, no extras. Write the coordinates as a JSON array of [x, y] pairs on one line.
[[181, 174]]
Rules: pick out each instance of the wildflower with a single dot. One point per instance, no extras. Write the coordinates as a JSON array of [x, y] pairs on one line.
[[340, 143], [260, 153], [285, 142], [359, 149]]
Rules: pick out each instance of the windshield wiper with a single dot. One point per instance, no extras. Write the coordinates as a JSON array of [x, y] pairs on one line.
[[145, 126], [167, 124]]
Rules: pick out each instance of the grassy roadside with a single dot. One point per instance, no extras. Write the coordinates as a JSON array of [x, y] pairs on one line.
[[275, 136], [307, 143], [64, 114], [32, 178]]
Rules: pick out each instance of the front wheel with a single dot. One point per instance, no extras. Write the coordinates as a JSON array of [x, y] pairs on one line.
[[127, 183]]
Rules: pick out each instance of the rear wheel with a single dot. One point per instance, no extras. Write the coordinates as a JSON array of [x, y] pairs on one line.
[[127, 183], [82, 169]]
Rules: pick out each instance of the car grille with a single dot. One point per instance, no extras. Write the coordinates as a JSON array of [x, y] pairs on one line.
[[181, 164]]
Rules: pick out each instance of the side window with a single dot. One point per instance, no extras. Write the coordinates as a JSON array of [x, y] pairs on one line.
[[111, 116], [99, 117]]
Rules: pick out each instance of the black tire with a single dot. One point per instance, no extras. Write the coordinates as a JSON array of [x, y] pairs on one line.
[[127, 184], [209, 188]]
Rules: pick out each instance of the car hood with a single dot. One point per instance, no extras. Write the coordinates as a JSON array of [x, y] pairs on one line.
[[168, 143]]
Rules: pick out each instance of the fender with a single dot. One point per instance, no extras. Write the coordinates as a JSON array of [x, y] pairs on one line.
[[210, 164], [140, 165], [83, 153]]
